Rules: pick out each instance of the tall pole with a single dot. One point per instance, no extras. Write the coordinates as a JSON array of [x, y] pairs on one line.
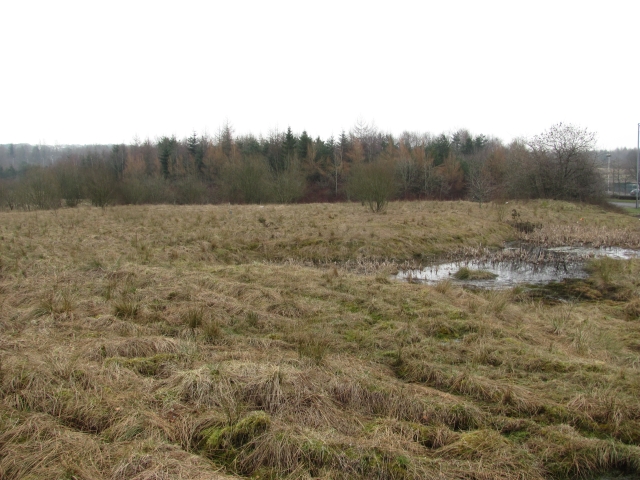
[[609, 174]]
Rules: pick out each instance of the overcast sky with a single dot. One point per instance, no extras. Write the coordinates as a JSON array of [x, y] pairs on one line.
[[87, 72]]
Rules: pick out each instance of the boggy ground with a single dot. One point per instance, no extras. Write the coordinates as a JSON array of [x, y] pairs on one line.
[[241, 341]]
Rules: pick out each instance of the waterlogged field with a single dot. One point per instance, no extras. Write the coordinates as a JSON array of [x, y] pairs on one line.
[[270, 342]]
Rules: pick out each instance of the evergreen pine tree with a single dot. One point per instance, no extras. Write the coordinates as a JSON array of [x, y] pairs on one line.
[[196, 151], [289, 146], [192, 144], [166, 152], [343, 144], [439, 149], [303, 145], [225, 139]]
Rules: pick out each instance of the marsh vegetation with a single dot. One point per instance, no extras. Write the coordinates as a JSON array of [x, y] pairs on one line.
[[142, 342]]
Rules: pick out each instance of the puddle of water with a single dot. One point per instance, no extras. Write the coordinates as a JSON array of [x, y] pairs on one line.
[[609, 252], [515, 265]]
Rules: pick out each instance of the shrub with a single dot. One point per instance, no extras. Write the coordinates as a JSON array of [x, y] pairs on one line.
[[100, 184], [373, 184], [40, 189], [190, 190], [70, 184], [143, 190], [246, 181]]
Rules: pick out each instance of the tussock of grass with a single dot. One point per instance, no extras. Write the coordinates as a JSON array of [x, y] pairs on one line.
[[477, 444], [465, 273], [222, 441], [201, 387], [313, 348], [211, 332], [152, 460], [36, 446], [193, 317], [288, 451], [54, 303], [138, 347], [156, 345], [567, 454], [155, 366], [436, 436]]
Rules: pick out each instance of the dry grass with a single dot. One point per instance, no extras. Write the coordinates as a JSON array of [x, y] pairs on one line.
[[195, 342]]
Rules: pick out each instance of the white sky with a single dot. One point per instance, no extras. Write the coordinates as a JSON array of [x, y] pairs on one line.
[[103, 72]]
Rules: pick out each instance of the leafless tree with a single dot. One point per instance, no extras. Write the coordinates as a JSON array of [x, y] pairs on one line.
[[369, 137], [481, 185], [564, 165], [408, 174]]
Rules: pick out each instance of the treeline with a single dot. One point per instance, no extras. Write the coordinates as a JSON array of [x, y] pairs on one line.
[[363, 164]]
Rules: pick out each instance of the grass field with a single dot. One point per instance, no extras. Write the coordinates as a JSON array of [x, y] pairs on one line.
[[630, 206], [198, 342]]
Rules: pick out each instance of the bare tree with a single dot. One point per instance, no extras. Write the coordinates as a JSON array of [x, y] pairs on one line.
[[369, 137], [564, 165], [481, 185], [408, 174], [337, 161], [100, 183], [430, 181]]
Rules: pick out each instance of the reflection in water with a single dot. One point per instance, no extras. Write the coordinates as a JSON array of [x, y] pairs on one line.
[[521, 264]]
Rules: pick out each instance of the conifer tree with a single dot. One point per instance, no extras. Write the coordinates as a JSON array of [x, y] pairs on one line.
[[225, 139], [166, 154], [289, 146], [303, 145], [196, 151]]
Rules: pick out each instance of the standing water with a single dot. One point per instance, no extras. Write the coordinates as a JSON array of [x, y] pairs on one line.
[[515, 265]]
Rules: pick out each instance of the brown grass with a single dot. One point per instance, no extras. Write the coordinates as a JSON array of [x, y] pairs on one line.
[[191, 342]]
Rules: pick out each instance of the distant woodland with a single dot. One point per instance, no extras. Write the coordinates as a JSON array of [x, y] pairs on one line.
[[363, 164]]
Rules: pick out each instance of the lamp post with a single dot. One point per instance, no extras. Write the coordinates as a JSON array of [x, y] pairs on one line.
[[608, 174], [638, 166]]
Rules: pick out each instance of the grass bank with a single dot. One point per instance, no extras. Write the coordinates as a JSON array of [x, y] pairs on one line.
[[269, 342]]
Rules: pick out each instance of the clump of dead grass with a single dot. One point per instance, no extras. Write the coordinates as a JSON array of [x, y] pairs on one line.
[[567, 454], [137, 347], [36, 446], [126, 308]]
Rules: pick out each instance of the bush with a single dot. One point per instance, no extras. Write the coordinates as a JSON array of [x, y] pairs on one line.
[[145, 190], [373, 184], [40, 189], [100, 184], [70, 183], [288, 185], [246, 181], [190, 190], [10, 194]]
